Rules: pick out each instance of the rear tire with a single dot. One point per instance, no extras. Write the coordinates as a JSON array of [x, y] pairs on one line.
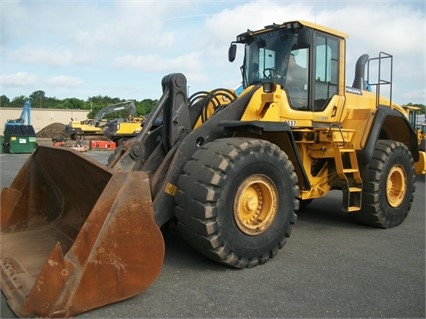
[[236, 201], [388, 190]]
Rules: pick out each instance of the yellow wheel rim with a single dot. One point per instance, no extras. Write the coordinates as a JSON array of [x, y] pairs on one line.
[[396, 186], [255, 205]]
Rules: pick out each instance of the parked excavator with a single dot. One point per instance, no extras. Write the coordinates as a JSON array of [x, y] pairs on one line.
[[95, 126], [230, 171], [120, 129]]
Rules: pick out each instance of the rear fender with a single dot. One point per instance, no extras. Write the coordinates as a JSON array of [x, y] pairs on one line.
[[389, 124]]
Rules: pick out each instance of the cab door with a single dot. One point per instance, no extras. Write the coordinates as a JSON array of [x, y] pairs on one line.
[[327, 77]]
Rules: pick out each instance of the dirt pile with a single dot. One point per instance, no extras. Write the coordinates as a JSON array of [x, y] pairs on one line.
[[54, 129]]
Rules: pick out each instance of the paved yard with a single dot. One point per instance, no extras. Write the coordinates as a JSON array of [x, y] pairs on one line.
[[330, 267]]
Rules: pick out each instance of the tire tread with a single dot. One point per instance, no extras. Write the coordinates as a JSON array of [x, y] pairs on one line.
[[208, 167]]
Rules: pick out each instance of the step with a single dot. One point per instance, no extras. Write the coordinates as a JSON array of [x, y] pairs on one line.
[[350, 170], [346, 150], [353, 209]]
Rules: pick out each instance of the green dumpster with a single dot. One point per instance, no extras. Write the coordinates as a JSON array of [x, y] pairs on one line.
[[19, 139]]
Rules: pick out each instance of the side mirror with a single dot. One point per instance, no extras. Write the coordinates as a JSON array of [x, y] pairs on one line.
[[232, 52]]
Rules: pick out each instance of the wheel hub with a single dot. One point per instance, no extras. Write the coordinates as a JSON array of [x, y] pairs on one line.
[[250, 204], [255, 204], [396, 186]]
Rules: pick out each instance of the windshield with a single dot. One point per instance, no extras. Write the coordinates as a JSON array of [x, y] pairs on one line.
[[267, 57]]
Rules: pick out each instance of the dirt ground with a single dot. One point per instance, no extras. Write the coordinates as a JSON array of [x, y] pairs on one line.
[[54, 129], [44, 137]]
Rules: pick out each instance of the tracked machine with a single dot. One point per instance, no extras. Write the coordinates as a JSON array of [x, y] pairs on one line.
[[230, 170], [95, 127], [118, 130]]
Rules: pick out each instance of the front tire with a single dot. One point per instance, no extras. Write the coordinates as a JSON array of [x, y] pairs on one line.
[[389, 187], [236, 201]]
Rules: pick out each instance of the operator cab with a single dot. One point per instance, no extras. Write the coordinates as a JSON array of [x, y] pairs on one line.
[[300, 57]]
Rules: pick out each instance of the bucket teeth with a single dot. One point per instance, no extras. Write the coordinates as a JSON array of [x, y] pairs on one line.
[[48, 286]]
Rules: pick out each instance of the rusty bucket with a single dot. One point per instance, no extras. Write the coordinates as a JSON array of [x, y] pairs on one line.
[[75, 235]]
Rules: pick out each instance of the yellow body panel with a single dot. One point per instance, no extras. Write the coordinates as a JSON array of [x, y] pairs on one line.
[[84, 127], [132, 127], [420, 165]]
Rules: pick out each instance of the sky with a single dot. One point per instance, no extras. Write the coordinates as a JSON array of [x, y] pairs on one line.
[[123, 49]]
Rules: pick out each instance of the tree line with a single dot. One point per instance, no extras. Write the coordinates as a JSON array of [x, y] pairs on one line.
[[39, 99]]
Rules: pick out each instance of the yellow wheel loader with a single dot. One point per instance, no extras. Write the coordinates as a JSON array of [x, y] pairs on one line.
[[230, 171]]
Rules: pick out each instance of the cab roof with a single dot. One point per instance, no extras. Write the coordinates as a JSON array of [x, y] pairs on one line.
[[298, 23], [323, 28]]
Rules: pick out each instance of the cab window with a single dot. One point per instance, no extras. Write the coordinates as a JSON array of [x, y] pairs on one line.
[[326, 70]]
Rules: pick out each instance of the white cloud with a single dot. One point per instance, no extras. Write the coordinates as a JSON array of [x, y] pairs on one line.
[[31, 55], [19, 79], [64, 81], [157, 63], [228, 23]]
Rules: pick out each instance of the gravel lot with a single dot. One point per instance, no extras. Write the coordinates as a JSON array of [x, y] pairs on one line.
[[330, 267]]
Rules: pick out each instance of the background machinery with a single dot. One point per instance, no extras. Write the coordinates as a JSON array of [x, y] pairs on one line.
[[418, 124], [120, 129], [95, 126], [230, 170], [18, 136]]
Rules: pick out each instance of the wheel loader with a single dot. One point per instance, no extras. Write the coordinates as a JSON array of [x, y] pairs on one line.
[[229, 171]]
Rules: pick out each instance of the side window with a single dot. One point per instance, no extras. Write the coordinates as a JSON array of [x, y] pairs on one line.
[[297, 78], [326, 70]]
